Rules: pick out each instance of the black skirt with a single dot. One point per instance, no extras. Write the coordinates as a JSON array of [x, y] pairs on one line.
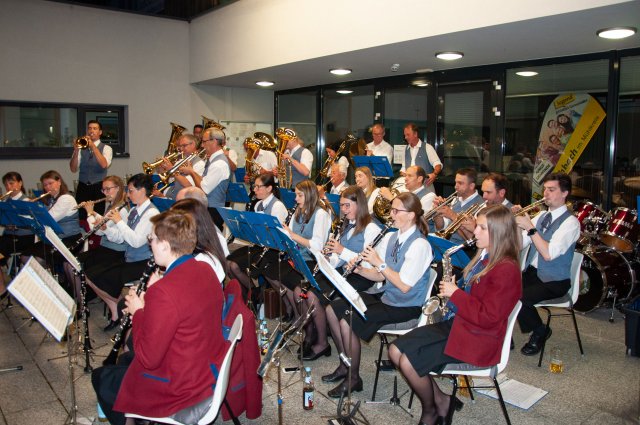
[[377, 315], [112, 279], [424, 347], [329, 291]]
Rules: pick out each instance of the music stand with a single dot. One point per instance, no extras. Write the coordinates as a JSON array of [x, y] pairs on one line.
[[379, 165], [34, 215], [288, 197], [334, 200], [239, 174], [439, 246], [237, 192], [162, 204]]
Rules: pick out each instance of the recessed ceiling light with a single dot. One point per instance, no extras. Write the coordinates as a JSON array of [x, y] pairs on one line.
[[449, 56], [265, 83], [526, 73], [344, 91], [340, 71], [616, 32], [422, 84]]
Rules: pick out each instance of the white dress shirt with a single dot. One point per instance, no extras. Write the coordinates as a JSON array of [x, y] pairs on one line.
[[215, 174], [337, 190], [562, 239], [417, 259], [320, 230], [432, 155], [278, 210], [121, 232], [107, 152], [63, 207], [370, 232], [383, 149]]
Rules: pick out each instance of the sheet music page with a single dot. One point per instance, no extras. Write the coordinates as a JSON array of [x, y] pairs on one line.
[[43, 297], [62, 248], [515, 393], [340, 283]]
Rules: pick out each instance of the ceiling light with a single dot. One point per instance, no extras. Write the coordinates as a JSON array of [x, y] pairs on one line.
[[449, 56], [616, 32], [265, 83], [422, 84], [344, 91], [340, 71], [526, 73]]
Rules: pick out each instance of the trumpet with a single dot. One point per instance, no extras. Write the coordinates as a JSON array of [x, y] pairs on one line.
[[84, 203], [41, 197], [149, 168], [449, 201], [455, 225], [82, 142], [164, 177], [6, 195], [533, 206]]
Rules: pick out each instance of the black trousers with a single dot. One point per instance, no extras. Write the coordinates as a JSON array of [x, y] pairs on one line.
[[534, 291], [89, 192]]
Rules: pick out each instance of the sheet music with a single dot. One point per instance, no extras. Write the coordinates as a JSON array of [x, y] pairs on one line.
[[42, 296], [62, 248], [515, 393], [340, 283]]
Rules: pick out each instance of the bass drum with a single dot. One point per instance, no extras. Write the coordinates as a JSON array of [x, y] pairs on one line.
[[605, 274]]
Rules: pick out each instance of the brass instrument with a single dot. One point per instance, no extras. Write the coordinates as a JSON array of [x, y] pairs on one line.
[[357, 148], [82, 204], [455, 225], [259, 141], [208, 123], [435, 308], [163, 184], [382, 206], [449, 201], [150, 168], [41, 197], [284, 135], [533, 206], [176, 132], [6, 195], [326, 168], [82, 142]]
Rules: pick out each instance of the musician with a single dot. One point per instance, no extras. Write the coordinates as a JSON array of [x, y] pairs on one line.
[[338, 179], [301, 160], [494, 191], [402, 260], [266, 191], [332, 153], [465, 185], [379, 146], [232, 157], [197, 131], [216, 174], [177, 328], [552, 237], [208, 248], [475, 327], [365, 181], [187, 144], [130, 227], [414, 182], [357, 231], [13, 240], [264, 163], [92, 163], [63, 209], [420, 154]]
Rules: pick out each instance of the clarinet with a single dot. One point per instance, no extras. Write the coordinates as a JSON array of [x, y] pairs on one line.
[[334, 235], [376, 241], [96, 227], [85, 323], [125, 322]]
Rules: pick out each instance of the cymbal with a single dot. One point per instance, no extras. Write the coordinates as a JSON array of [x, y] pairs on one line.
[[632, 182], [579, 192]]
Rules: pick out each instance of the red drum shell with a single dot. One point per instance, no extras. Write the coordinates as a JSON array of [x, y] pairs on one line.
[[622, 230]]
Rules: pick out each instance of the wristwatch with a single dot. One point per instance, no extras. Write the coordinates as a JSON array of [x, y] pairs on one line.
[[382, 267], [532, 231]]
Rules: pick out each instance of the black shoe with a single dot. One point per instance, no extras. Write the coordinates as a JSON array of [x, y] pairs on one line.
[[335, 376], [111, 325], [310, 356], [342, 390], [306, 348], [535, 343], [457, 404]]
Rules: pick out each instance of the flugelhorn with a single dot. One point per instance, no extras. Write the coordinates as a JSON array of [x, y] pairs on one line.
[[150, 168], [6, 195], [163, 184], [82, 142], [449, 201], [84, 203], [41, 197]]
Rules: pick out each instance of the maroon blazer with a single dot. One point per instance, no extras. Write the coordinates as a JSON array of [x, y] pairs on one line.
[[480, 323], [176, 338]]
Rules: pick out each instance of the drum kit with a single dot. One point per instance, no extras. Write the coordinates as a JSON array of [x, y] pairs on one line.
[[609, 242]]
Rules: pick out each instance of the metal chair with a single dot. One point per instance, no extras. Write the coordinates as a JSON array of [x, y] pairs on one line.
[[221, 384], [566, 302]]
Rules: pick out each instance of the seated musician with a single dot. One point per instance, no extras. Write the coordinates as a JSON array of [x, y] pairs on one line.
[[338, 178], [130, 227], [332, 153], [13, 240], [474, 328], [356, 232], [188, 145], [552, 237], [494, 192], [63, 209], [177, 329], [265, 190], [365, 181], [103, 257], [465, 186], [414, 182], [402, 260]]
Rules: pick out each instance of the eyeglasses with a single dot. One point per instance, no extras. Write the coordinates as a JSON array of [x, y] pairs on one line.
[[208, 140], [396, 210], [345, 205], [151, 238], [184, 145], [108, 188], [258, 186]]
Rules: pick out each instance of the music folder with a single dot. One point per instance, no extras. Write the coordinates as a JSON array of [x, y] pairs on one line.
[[237, 192]]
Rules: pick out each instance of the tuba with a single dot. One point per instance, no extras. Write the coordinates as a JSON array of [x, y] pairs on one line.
[[284, 135], [259, 141], [382, 206], [358, 147], [176, 132], [82, 142]]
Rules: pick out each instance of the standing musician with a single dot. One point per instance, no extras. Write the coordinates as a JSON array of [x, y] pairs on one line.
[[130, 227], [177, 329], [425, 157], [365, 181], [216, 174], [357, 231], [13, 239], [266, 191], [465, 185], [552, 236], [475, 326], [197, 131], [301, 160], [402, 260], [63, 209], [102, 258], [379, 147], [415, 178], [232, 157], [187, 144], [92, 163]]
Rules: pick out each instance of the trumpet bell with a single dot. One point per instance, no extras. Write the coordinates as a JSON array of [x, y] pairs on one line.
[[82, 142]]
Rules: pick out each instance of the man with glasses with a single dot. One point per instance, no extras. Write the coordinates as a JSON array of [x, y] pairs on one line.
[[187, 144], [379, 147]]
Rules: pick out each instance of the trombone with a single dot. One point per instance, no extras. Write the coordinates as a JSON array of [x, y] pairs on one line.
[[163, 184]]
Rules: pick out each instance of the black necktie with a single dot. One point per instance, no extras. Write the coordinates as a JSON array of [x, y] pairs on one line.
[[132, 217], [546, 222], [396, 249], [261, 207]]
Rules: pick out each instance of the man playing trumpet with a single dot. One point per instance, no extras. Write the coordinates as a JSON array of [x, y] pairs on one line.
[[187, 144]]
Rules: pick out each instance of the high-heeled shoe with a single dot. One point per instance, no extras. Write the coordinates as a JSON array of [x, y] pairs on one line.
[[311, 355], [111, 325], [336, 376], [342, 390]]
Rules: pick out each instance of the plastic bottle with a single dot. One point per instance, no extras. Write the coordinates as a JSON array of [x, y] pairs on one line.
[[307, 390]]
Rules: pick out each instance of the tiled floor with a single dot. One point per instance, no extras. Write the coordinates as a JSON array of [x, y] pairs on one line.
[[601, 388]]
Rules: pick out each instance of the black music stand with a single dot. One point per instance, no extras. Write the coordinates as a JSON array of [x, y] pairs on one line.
[[162, 204], [288, 197], [379, 165]]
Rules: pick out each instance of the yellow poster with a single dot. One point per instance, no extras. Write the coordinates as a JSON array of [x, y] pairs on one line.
[[568, 126]]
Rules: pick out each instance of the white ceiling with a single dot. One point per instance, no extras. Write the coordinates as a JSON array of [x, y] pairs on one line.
[[553, 36]]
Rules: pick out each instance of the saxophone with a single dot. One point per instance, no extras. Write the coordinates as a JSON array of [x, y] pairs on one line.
[[436, 308]]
